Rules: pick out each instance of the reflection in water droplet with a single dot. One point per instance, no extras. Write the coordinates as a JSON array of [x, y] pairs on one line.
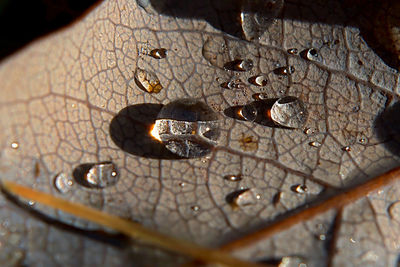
[[299, 188], [256, 16], [322, 237], [309, 131], [31, 203], [363, 140], [233, 177], [292, 51], [293, 261], [259, 80], [146, 5], [14, 145], [239, 65], [63, 183], [243, 197], [187, 127], [195, 208], [159, 53], [182, 184], [315, 144], [288, 70], [310, 54], [147, 81], [97, 175], [394, 211], [289, 112], [236, 84], [248, 112], [259, 96]]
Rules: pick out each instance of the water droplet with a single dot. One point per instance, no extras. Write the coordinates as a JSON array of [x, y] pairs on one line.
[[63, 183], [292, 51], [243, 197], [187, 127], [146, 5], [147, 81], [257, 16], [233, 177], [322, 237], [310, 54], [277, 198], [31, 203], [97, 175], [299, 188], [159, 53], [288, 70], [14, 145], [363, 140], [289, 112], [182, 184], [309, 131], [394, 211], [353, 240], [315, 144], [347, 148], [293, 261], [239, 65], [236, 84], [248, 112], [195, 208], [260, 96], [259, 80], [355, 109]]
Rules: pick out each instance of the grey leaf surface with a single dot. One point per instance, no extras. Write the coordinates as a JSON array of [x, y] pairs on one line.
[[60, 95]]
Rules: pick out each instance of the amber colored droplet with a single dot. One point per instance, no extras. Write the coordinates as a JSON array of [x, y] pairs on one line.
[[147, 81], [233, 177], [259, 80], [315, 144], [299, 188], [159, 53], [347, 148], [239, 65], [14, 145], [292, 51]]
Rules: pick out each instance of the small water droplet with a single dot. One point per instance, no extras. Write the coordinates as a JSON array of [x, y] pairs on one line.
[[289, 112], [315, 144], [182, 184], [63, 183], [14, 145], [355, 109], [309, 131], [260, 96], [299, 188], [259, 80], [147, 81], [347, 148], [363, 140], [293, 261], [292, 51], [322, 237], [243, 197], [353, 240], [239, 65], [394, 211], [288, 70], [31, 203], [96, 175], [233, 177], [187, 127], [195, 208], [310, 54], [159, 53], [236, 84]]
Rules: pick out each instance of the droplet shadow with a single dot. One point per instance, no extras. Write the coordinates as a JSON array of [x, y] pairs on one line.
[[387, 128], [130, 130]]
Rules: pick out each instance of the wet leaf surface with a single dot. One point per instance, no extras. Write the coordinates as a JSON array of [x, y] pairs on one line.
[[71, 98]]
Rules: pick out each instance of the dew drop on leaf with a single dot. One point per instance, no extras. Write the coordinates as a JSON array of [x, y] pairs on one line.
[[310, 54], [236, 84], [259, 96], [97, 175], [299, 188], [315, 144], [159, 53], [187, 127], [239, 65], [289, 112], [256, 16], [288, 70], [259, 80], [347, 148], [147, 81], [292, 51], [309, 131], [248, 112], [63, 182], [233, 177], [243, 197], [195, 208], [14, 145], [293, 261]]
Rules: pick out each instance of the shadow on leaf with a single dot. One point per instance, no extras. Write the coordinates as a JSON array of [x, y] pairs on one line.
[[387, 128]]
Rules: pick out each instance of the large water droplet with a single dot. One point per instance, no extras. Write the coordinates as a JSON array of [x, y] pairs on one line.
[[243, 197], [259, 80], [187, 127], [256, 16], [289, 112], [239, 65], [97, 175], [159, 53], [147, 81], [248, 112], [63, 182]]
